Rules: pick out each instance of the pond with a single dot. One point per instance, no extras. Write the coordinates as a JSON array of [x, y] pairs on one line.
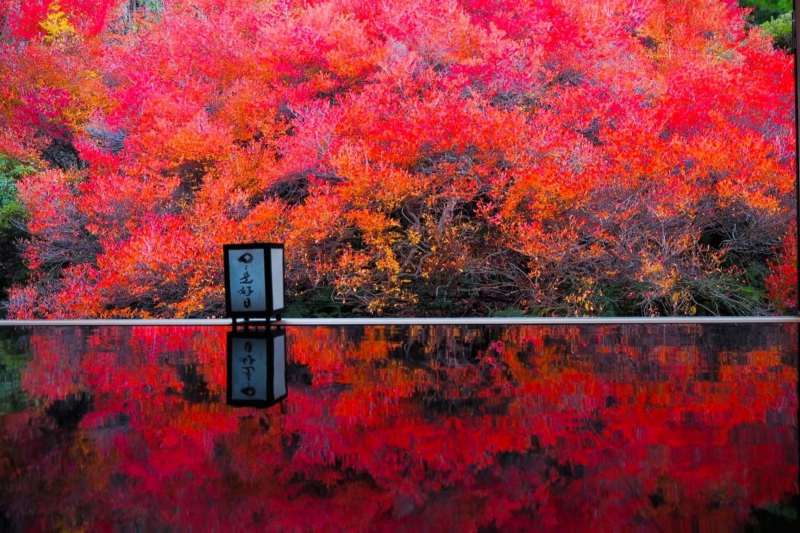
[[404, 428]]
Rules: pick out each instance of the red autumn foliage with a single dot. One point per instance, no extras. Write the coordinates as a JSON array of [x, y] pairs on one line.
[[453, 156], [782, 283]]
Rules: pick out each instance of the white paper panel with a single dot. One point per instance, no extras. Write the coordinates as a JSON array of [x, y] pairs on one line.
[[247, 279], [277, 278]]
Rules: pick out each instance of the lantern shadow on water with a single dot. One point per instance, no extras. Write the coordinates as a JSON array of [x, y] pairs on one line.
[[256, 367]]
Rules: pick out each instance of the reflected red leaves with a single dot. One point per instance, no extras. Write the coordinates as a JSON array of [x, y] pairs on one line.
[[561, 427]]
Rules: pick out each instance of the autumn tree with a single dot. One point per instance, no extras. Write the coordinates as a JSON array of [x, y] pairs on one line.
[[448, 157]]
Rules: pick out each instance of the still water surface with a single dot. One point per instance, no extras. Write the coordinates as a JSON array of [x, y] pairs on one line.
[[528, 428]]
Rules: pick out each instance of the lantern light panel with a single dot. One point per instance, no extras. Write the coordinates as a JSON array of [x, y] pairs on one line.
[[254, 280]]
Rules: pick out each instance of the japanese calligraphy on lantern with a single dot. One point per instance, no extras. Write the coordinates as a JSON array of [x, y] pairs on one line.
[[254, 280], [248, 291], [248, 370]]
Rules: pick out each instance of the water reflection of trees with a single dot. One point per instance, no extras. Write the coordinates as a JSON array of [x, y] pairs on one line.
[[623, 427]]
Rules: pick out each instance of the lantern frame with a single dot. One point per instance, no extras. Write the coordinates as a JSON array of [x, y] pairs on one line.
[[269, 276]]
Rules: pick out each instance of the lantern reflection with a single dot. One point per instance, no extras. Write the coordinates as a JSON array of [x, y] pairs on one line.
[[256, 367]]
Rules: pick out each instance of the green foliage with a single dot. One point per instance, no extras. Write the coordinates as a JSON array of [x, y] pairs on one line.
[[781, 30], [316, 304], [764, 10], [511, 312], [723, 295], [155, 6], [11, 171], [12, 268]]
